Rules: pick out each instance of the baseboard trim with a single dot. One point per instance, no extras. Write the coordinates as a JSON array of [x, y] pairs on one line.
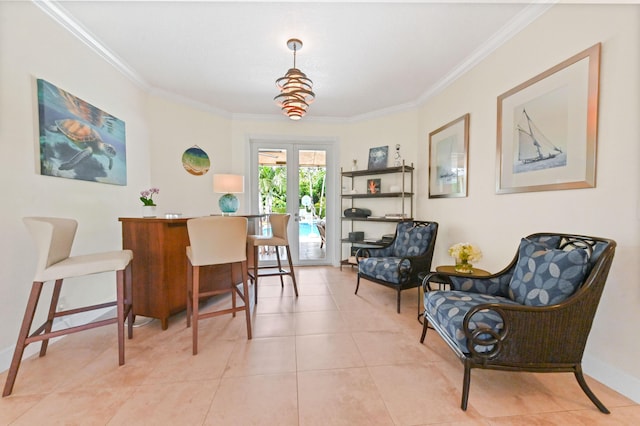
[[612, 377]]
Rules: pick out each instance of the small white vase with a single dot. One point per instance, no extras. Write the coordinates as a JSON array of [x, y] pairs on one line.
[[148, 211]]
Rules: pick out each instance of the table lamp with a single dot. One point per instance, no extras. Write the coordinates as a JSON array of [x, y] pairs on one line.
[[228, 185]]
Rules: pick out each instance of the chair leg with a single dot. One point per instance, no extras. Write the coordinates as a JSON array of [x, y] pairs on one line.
[[247, 301], [27, 321], [398, 300], [120, 308], [255, 274], [280, 264], [55, 297], [357, 284], [128, 279], [466, 382], [293, 274], [189, 287], [233, 292], [587, 390], [424, 329], [195, 290]]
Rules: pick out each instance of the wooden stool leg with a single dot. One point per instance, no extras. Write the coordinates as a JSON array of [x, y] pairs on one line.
[[293, 274], [32, 304], [233, 292], [55, 296], [280, 264], [255, 274], [194, 300], [128, 277], [120, 312], [189, 295], [247, 299]]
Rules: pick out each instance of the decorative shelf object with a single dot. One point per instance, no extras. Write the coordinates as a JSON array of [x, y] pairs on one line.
[[351, 197]]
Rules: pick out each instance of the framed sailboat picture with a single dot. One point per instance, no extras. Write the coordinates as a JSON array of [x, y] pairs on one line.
[[448, 159], [547, 128]]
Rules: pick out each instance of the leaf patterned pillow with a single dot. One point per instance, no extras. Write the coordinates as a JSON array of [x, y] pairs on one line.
[[546, 276]]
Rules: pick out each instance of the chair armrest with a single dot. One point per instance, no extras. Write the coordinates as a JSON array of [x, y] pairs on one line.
[[437, 277], [361, 253], [530, 334], [494, 285]]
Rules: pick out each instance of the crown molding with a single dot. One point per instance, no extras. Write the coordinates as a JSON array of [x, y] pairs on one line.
[[522, 20], [508, 31], [64, 18]]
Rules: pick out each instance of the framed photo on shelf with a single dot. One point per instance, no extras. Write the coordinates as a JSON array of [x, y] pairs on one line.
[[547, 128], [373, 186], [378, 158], [448, 159]]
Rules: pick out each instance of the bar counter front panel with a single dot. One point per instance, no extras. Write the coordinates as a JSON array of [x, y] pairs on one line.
[[160, 266]]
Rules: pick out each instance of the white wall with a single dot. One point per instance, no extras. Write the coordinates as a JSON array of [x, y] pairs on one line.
[[496, 222], [33, 46], [158, 132], [175, 128]]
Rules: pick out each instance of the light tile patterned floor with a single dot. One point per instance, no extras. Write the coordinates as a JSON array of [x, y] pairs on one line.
[[328, 357]]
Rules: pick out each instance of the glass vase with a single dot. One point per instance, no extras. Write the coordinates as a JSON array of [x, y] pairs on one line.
[[463, 266]]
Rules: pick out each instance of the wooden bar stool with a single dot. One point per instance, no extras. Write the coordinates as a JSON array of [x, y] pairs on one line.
[[279, 238], [216, 240], [54, 238]]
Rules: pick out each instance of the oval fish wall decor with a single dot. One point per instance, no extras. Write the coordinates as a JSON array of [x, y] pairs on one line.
[[196, 161]]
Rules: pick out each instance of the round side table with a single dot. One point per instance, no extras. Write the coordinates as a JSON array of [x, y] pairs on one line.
[[451, 269]]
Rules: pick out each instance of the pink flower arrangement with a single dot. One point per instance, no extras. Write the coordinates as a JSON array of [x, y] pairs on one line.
[[147, 196]]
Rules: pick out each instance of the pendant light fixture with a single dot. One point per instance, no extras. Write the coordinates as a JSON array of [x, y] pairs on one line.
[[295, 88]]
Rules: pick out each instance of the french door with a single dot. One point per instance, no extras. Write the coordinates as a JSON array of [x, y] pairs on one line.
[[289, 177]]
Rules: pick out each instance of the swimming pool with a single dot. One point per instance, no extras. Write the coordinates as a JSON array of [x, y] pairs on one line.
[[305, 229], [308, 230]]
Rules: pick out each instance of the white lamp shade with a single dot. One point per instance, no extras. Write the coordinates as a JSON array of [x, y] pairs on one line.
[[228, 184]]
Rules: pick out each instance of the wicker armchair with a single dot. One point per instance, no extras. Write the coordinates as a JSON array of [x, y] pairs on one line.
[[535, 315], [398, 264]]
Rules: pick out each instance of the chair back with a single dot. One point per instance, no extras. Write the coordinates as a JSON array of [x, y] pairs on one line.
[[279, 223], [412, 238], [53, 238], [217, 240]]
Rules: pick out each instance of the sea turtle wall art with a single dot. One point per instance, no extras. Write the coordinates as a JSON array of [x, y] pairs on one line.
[[78, 140]]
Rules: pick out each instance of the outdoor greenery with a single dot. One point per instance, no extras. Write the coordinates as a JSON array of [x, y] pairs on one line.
[[273, 189]]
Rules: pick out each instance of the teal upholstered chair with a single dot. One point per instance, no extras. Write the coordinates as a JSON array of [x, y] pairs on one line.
[[534, 315], [398, 264]]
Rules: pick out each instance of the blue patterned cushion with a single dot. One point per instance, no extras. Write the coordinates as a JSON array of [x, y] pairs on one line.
[[389, 269], [411, 240], [498, 286], [381, 252], [546, 277], [549, 241], [448, 308], [597, 251]]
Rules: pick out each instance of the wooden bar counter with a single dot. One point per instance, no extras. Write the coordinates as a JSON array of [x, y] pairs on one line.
[[160, 266]]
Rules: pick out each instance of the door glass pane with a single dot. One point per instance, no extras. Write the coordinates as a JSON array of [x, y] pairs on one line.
[[272, 193], [312, 171]]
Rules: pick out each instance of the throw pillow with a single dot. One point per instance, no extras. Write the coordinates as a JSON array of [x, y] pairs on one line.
[[546, 276]]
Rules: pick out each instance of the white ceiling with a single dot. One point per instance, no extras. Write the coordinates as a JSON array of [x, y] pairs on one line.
[[365, 58]]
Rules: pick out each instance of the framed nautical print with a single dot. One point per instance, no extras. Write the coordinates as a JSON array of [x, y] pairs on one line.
[[547, 128], [448, 159], [79, 140]]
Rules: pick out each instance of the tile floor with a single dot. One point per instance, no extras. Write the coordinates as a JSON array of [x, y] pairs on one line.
[[328, 357]]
